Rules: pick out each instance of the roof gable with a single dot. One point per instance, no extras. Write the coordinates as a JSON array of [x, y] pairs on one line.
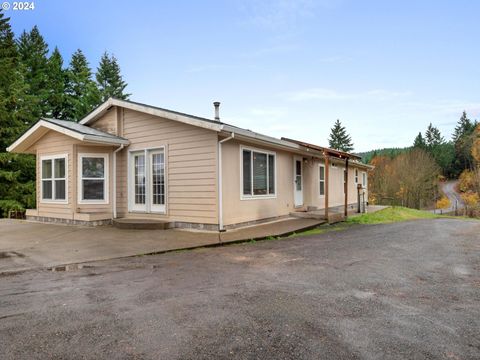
[[69, 128]]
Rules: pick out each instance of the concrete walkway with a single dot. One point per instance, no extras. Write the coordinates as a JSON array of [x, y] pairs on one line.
[[28, 245]]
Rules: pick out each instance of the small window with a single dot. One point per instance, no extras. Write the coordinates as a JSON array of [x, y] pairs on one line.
[[364, 179], [54, 180], [322, 179], [93, 177], [258, 170], [356, 176]]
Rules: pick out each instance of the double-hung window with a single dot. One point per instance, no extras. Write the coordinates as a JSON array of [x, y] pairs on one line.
[[54, 178], [356, 176], [321, 177], [258, 173], [93, 178], [364, 179]]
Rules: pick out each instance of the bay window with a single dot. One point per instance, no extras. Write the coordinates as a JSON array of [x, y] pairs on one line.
[[258, 173], [93, 177], [54, 178]]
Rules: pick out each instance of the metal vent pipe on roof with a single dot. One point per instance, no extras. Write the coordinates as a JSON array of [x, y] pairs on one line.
[[216, 104]]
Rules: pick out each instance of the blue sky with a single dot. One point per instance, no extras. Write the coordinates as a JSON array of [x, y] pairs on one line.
[[286, 68]]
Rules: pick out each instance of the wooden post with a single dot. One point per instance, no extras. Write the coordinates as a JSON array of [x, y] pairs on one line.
[[346, 187], [327, 167]]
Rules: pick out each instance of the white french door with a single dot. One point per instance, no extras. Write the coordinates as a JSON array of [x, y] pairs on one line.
[[157, 181], [147, 185]]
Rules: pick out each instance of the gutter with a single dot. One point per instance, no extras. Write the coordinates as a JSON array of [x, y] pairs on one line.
[[114, 187], [220, 182]]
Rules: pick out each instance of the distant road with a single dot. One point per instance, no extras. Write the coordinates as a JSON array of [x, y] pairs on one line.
[[448, 189]]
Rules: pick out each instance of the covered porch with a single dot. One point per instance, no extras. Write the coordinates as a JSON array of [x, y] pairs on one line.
[[330, 187]]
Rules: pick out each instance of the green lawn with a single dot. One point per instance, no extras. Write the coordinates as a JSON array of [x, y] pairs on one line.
[[385, 216], [391, 215]]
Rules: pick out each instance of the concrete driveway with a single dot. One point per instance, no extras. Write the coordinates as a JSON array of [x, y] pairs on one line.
[[27, 245], [400, 291]]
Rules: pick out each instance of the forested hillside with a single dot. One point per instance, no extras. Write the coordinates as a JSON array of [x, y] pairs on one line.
[[34, 83], [409, 176]]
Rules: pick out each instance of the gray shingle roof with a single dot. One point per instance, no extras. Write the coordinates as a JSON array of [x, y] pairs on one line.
[[82, 129]]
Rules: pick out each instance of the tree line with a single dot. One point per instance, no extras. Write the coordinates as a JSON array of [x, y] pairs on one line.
[[410, 176], [35, 83]]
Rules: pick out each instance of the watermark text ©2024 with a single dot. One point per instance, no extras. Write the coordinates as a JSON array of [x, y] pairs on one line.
[[18, 5]]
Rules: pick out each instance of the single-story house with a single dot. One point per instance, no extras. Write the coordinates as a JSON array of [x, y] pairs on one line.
[[131, 160]]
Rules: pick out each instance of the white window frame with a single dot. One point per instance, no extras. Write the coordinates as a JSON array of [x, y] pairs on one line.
[[364, 179], [356, 177], [262, 151], [52, 179], [80, 177], [320, 180]]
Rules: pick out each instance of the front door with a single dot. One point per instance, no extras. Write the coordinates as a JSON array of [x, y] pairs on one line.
[[147, 174], [298, 181]]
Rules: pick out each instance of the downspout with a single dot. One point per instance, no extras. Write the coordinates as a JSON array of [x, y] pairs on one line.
[[220, 182], [114, 187]]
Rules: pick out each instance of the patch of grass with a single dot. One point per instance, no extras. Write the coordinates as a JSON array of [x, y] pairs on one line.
[[391, 215]]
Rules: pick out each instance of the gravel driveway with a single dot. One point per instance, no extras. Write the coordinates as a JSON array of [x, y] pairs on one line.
[[401, 291]]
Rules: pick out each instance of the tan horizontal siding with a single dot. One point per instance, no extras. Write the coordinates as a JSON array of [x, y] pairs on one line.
[[191, 166], [54, 143], [107, 122]]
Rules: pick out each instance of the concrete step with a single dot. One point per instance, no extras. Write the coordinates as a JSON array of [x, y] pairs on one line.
[[140, 224]]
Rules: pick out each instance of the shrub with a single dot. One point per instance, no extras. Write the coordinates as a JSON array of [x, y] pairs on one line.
[[466, 181], [443, 203], [7, 205]]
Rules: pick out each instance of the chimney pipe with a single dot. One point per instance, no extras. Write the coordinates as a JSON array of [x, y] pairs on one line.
[[217, 110]]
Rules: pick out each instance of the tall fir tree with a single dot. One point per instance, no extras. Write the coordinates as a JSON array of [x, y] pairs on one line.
[[463, 141], [419, 141], [464, 127], [17, 172], [82, 94], [433, 136], [56, 81], [33, 50], [109, 79], [339, 138]]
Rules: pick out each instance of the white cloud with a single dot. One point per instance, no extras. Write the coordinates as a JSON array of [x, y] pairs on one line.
[[329, 94], [269, 113], [334, 59]]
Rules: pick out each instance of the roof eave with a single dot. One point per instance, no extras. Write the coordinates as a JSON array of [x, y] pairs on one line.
[[164, 113]]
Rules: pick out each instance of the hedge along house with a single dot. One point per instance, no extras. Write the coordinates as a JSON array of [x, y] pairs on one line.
[[130, 160]]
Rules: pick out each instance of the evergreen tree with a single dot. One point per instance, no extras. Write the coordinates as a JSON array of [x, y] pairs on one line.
[[463, 141], [339, 138], [464, 127], [82, 94], [56, 79], [419, 141], [32, 51], [109, 79], [433, 136], [17, 172]]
